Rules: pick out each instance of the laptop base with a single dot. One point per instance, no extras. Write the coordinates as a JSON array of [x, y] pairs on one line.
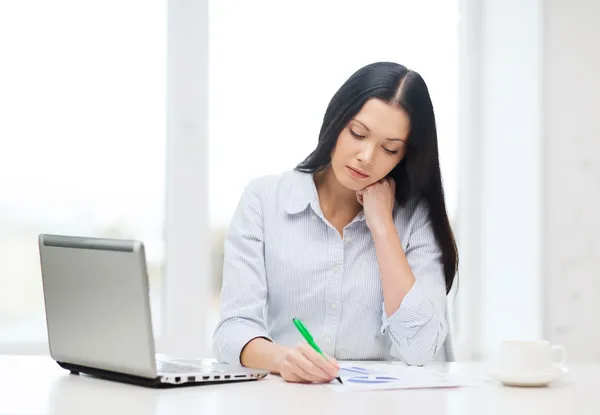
[[136, 380]]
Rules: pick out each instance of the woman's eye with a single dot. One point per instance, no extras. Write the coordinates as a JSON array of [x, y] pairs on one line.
[[390, 151], [355, 134]]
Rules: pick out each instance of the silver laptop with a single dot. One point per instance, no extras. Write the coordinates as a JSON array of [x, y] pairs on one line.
[[98, 316]]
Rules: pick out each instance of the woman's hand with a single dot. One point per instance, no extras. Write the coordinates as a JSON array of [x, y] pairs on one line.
[[302, 364], [378, 202]]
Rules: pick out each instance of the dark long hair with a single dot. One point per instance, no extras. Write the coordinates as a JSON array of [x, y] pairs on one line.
[[418, 174]]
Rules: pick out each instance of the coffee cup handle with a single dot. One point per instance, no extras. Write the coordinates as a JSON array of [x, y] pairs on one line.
[[562, 352]]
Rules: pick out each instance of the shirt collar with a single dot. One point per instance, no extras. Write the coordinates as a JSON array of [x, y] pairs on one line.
[[301, 191]]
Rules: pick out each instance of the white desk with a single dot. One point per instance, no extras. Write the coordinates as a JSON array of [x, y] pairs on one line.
[[36, 385]]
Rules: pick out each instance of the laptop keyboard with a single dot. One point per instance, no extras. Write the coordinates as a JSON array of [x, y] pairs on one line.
[[170, 367]]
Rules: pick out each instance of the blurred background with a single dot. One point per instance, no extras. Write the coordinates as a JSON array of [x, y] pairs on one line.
[[146, 119]]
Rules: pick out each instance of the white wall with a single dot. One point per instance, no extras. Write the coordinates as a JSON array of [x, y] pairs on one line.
[[572, 176]]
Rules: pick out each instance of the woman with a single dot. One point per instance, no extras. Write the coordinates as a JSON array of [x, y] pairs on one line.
[[355, 241]]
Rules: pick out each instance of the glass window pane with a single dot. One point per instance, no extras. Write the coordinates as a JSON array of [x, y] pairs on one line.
[[83, 138]]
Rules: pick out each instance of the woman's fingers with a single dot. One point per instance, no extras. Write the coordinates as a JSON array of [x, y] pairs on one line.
[[329, 368], [307, 369]]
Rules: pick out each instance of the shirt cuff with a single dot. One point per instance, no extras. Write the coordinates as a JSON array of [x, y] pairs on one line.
[[232, 346], [413, 313]]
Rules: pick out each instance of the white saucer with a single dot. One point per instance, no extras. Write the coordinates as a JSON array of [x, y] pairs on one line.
[[530, 379]]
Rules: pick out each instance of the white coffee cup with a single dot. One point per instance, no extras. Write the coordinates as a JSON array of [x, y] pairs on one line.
[[532, 358]]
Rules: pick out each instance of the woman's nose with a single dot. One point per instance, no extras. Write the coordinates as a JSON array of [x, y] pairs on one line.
[[366, 155]]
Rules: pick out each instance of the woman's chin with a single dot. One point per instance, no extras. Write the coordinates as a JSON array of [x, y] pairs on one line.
[[353, 185]]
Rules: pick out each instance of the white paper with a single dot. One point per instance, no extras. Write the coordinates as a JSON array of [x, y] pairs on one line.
[[382, 376]]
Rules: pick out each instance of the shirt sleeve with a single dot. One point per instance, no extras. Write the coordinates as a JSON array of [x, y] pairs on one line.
[[418, 328], [244, 290]]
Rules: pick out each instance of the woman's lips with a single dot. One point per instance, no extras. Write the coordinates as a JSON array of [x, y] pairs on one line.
[[357, 173]]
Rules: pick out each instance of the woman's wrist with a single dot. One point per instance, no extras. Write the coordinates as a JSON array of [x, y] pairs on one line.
[[261, 353], [383, 229]]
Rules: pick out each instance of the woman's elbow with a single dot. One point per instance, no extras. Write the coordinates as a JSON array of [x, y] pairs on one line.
[[418, 358], [217, 347], [422, 348]]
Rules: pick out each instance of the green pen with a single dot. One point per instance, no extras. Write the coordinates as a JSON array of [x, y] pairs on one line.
[[308, 337]]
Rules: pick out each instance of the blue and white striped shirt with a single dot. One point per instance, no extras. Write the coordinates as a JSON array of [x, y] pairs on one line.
[[283, 260]]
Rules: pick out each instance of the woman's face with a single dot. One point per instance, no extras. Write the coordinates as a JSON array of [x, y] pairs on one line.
[[371, 145]]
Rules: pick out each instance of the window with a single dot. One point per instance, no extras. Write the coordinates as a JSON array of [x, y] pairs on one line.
[[273, 69], [84, 119], [83, 138]]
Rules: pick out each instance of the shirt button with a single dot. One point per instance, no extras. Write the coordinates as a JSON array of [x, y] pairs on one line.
[[348, 240], [333, 306], [336, 269], [313, 218], [327, 339]]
